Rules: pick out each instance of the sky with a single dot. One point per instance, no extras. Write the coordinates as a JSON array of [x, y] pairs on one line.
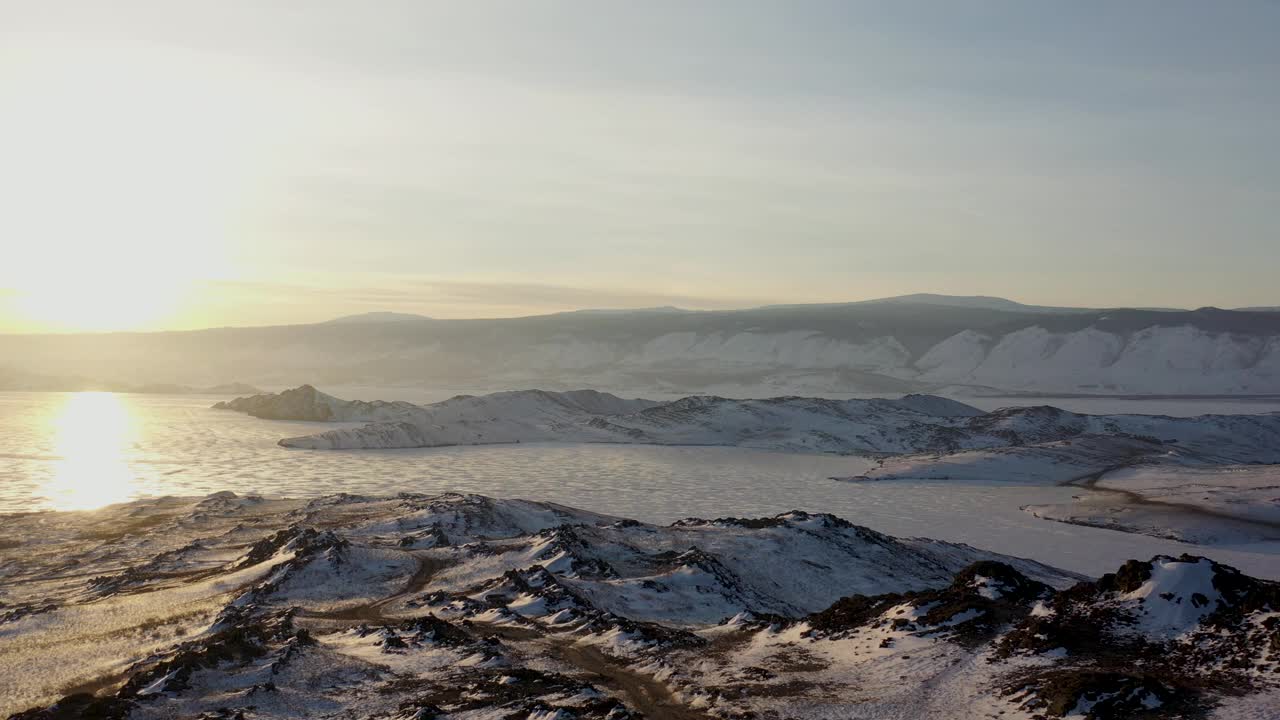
[[176, 164]]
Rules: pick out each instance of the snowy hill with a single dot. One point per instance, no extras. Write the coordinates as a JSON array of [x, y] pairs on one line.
[[790, 423], [910, 344], [473, 607], [912, 424]]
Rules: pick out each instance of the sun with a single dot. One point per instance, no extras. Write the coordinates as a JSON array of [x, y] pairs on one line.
[[120, 183], [93, 433]]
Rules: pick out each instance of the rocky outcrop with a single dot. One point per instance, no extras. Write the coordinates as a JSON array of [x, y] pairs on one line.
[[307, 403]]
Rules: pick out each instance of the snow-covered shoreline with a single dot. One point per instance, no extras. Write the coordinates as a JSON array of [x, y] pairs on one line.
[[1221, 504]]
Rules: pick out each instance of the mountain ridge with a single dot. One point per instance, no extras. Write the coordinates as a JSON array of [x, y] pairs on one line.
[[814, 349]]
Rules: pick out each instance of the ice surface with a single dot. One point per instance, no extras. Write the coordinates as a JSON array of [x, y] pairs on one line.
[[180, 447]]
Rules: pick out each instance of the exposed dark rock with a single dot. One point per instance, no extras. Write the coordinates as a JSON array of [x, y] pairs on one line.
[[81, 706], [22, 611], [1103, 695], [239, 635], [301, 403], [984, 598]]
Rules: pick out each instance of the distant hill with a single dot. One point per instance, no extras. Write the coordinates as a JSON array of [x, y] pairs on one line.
[[915, 343], [969, 301], [377, 317], [627, 311]]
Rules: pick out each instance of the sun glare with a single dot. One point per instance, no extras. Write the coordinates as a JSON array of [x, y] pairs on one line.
[[118, 181], [93, 432]]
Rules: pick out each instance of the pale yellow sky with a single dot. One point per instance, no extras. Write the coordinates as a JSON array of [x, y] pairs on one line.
[[177, 164]]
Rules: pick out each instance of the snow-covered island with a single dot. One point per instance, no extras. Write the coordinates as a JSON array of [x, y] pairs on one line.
[[911, 424], [470, 607]]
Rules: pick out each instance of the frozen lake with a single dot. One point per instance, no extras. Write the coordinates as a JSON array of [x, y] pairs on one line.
[[85, 450]]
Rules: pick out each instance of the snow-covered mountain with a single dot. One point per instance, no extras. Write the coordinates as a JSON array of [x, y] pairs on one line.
[[1178, 359], [912, 424], [464, 606], [909, 344]]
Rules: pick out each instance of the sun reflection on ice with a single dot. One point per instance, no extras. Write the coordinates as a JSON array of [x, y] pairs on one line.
[[93, 433]]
